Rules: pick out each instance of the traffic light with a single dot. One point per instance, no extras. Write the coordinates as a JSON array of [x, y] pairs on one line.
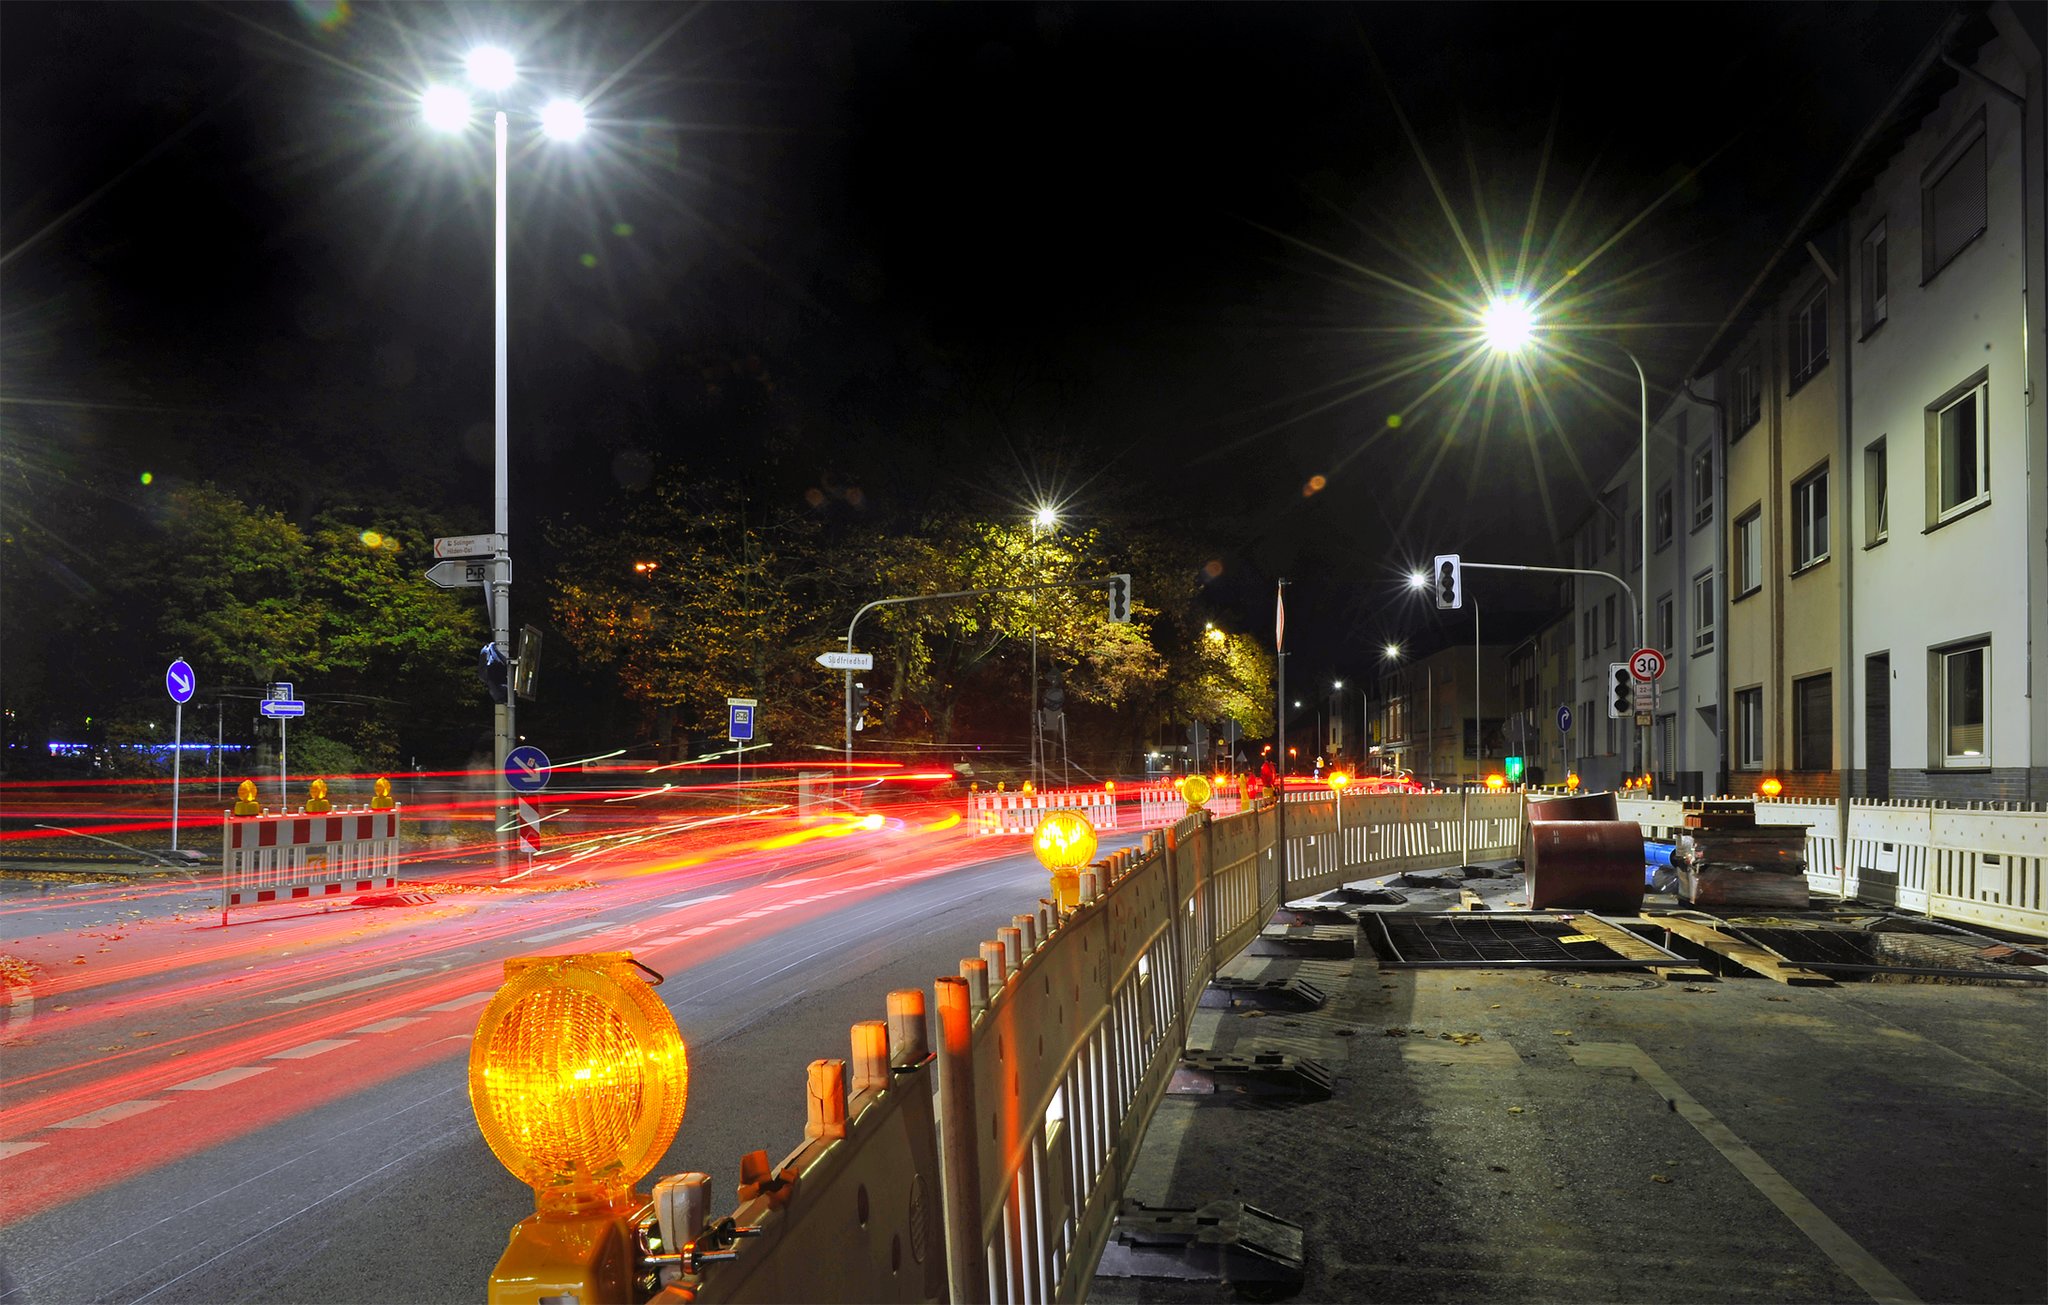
[[526, 669], [860, 705], [1055, 691], [1448, 581], [495, 672], [1621, 691], [1120, 599], [1513, 767]]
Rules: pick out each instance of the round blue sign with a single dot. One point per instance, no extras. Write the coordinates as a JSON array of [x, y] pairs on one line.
[[527, 769], [1564, 720], [180, 682]]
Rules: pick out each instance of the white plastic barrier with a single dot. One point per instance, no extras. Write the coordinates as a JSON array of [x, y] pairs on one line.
[[1019, 813], [1161, 805], [271, 858]]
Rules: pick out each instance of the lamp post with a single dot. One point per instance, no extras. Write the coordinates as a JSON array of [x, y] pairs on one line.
[[1043, 522], [1392, 653], [493, 70]]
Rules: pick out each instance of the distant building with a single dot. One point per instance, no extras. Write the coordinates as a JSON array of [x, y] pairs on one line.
[[1427, 716]]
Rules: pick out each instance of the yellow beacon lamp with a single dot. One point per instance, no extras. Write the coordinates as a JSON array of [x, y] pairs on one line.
[[1064, 842], [578, 1077], [1197, 790]]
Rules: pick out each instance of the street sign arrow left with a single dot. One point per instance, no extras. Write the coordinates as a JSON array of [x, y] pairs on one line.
[[277, 707], [458, 573], [847, 661]]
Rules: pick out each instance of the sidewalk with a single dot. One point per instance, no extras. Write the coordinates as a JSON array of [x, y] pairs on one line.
[[1609, 1136]]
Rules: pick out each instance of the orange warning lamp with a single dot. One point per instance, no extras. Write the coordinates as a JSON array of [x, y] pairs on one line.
[[1064, 842], [1496, 781], [380, 795], [1770, 788], [1571, 780], [316, 798], [1196, 789], [1109, 786], [1339, 780], [245, 799]]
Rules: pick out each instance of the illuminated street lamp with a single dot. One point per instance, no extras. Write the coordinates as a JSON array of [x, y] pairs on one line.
[[1044, 521], [492, 69]]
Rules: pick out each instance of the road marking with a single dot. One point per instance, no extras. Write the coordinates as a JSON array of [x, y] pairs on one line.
[[697, 932], [222, 1079], [311, 1049], [569, 932], [1837, 1245], [695, 901], [386, 1026], [110, 1114], [663, 942], [471, 1000], [336, 989], [8, 1149]]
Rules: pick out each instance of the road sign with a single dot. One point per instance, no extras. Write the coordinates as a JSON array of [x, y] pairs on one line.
[[847, 661], [739, 719], [1646, 696], [279, 691], [1564, 720], [458, 572], [527, 769], [179, 682], [1642, 720], [529, 826], [470, 546], [1646, 663], [281, 708]]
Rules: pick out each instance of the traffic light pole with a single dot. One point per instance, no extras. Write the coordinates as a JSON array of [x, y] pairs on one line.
[[501, 515]]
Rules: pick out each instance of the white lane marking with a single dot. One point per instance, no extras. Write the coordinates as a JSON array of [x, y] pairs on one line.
[[472, 999], [110, 1114], [697, 932], [386, 1026], [663, 942], [336, 989], [222, 1079], [695, 901], [16, 1148], [308, 1050], [569, 932], [751, 915]]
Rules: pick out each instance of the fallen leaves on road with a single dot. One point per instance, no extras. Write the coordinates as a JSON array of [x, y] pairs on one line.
[[16, 972], [1463, 1039], [1660, 1178], [1514, 1110]]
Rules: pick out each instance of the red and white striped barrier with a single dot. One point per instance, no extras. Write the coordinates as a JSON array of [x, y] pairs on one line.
[[1163, 804], [1019, 813], [278, 858]]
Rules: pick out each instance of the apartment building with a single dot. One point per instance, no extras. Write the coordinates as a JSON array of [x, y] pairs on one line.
[[1542, 677], [1436, 722]]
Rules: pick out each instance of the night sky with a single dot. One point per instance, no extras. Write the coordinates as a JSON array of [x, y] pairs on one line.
[[1157, 262]]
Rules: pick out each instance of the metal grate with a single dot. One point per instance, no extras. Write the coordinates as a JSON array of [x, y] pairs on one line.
[[1856, 951], [1490, 939]]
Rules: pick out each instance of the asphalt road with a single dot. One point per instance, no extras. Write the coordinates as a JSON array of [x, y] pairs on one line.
[[278, 1110]]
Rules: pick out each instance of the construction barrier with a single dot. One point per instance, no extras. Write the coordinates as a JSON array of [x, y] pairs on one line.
[[270, 858], [1160, 805], [1019, 813], [1974, 863], [1054, 1045]]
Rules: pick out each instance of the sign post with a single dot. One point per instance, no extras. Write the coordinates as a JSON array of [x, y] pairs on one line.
[[739, 728], [179, 683], [280, 706], [527, 770]]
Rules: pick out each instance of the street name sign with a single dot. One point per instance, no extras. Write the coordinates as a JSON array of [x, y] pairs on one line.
[[1646, 664], [527, 769], [470, 546], [847, 661], [458, 572], [179, 682], [739, 719]]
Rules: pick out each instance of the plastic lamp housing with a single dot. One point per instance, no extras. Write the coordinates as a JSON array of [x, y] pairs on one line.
[[1064, 841], [1197, 790], [578, 1077]]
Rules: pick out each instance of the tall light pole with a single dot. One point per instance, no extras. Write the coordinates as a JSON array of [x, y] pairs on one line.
[[1043, 522], [493, 70]]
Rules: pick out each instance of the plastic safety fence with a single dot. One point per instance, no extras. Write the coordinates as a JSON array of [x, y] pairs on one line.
[[1386, 833], [1160, 805], [1019, 813], [295, 857], [1973, 864]]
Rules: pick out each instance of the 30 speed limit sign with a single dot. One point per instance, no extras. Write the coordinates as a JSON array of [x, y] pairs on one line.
[[1646, 664]]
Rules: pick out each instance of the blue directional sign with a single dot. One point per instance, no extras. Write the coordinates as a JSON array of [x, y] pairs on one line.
[[527, 769], [179, 681], [739, 719], [1564, 720], [278, 708]]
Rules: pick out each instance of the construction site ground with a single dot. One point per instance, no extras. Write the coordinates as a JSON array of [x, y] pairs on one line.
[[1510, 1134]]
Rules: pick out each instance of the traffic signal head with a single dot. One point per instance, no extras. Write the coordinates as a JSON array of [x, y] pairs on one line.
[[860, 705], [1120, 599], [495, 672], [1447, 581], [1621, 691]]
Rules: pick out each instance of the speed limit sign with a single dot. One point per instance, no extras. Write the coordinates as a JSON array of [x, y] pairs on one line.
[[1646, 664]]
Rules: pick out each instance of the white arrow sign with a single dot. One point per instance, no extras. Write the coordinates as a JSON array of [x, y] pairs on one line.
[[846, 661], [470, 546], [456, 572]]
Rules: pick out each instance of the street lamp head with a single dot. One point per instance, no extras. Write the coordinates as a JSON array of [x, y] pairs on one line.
[[1418, 581], [1338, 684], [1391, 651], [562, 119], [445, 108], [1045, 518], [490, 68], [1508, 324]]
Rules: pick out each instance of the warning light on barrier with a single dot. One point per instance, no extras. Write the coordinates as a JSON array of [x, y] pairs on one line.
[[1029, 787], [316, 798], [1197, 791], [1064, 842], [245, 799], [1339, 780], [1571, 781], [1109, 786], [1496, 781], [578, 1077], [1770, 788], [380, 795]]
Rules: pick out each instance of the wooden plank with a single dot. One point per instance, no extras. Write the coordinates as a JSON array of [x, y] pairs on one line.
[[1754, 959], [1623, 943], [1471, 901]]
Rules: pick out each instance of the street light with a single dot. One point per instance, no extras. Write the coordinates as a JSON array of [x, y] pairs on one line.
[[1044, 521], [493, 70]]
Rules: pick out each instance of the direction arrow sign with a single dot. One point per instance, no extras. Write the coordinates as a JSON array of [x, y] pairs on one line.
[[1646, 663], [527, 769], [1564, 720], [470, 546], [456, 572], [179, 681], [279, 707], [846, 661]]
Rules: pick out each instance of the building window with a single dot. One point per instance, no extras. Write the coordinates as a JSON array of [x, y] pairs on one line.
[[1661, 518], [1813, 723], [1952, 202], [1667, 642], [1960, 454], [1749, 728], [1810, 521], [1749, 553], [1962, 681], [1610, 620], [1810, 337], [1876, 495], [1876, 277], [1702, 487], [1747, 394], [1703, 611]]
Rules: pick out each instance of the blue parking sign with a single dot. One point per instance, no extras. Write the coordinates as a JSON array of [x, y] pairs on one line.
[[739, 719]]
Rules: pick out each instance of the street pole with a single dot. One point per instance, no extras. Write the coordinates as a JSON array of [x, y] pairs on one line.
[[1643, 624], [177, 765], [281, 803], [1280, 734], [1478, 748], [1429, 714], [501, 568]]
